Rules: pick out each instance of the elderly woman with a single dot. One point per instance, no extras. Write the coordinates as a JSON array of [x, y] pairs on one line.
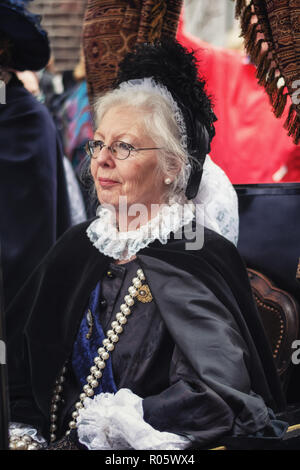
[[141, 332]]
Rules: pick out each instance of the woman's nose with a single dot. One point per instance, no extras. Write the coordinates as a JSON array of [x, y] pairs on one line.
[[104, 156]]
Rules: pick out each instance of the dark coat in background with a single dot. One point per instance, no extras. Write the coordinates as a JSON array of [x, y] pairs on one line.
[[34, 206]]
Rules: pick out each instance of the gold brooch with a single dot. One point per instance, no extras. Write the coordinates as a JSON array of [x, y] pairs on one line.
[[144, 294]]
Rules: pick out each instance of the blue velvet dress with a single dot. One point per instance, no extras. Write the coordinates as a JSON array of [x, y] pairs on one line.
[[89, 339]]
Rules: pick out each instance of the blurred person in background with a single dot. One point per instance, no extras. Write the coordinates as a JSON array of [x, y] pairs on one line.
[[75, 124], [34, 203], [251, 144]]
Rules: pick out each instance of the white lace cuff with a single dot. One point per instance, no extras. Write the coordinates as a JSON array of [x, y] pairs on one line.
[[115, 422], [20, 429]]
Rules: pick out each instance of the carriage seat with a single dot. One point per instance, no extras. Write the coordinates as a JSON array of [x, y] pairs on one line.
[[279, 313]]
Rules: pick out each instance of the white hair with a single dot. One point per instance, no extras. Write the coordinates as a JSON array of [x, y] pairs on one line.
[[163, 122]]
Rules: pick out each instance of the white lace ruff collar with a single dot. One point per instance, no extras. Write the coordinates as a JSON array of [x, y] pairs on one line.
[[105, 236]]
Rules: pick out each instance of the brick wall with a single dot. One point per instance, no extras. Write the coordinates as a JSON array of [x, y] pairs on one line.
[[62, 19]]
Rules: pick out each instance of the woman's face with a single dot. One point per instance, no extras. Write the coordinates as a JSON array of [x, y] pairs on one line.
[[135, 177]]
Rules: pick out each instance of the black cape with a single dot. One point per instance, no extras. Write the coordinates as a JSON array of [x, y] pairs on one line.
[[34, 203], [205, 300]]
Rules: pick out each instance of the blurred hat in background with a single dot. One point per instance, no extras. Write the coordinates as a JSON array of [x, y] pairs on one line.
[[31, 49]]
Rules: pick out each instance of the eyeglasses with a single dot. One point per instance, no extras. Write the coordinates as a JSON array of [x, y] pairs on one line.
[[120, 150]]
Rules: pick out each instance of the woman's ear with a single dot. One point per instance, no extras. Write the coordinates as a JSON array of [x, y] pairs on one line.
[[173, 172]]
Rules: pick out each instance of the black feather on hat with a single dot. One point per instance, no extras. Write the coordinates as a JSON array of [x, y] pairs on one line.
[[171, 65]]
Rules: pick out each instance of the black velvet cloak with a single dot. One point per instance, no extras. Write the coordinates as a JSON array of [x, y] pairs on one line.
[[34, 203], [205, 301]]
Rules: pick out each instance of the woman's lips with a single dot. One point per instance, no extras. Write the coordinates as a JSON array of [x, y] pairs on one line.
[[105, 182]]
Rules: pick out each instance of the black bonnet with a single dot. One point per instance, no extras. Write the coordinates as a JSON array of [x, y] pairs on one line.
[[171, 65]]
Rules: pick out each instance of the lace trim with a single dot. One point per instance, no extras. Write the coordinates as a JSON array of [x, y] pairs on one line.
[[105, 236], [217, 202], [20, 429], [115, 422]]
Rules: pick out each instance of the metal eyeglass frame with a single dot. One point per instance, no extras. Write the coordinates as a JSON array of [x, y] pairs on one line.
[[101, 145]]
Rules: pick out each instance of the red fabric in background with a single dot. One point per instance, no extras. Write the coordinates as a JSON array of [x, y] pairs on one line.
[[251, 144]]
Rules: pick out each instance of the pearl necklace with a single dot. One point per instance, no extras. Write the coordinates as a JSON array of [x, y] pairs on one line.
[[23, 443], [137, 289]]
